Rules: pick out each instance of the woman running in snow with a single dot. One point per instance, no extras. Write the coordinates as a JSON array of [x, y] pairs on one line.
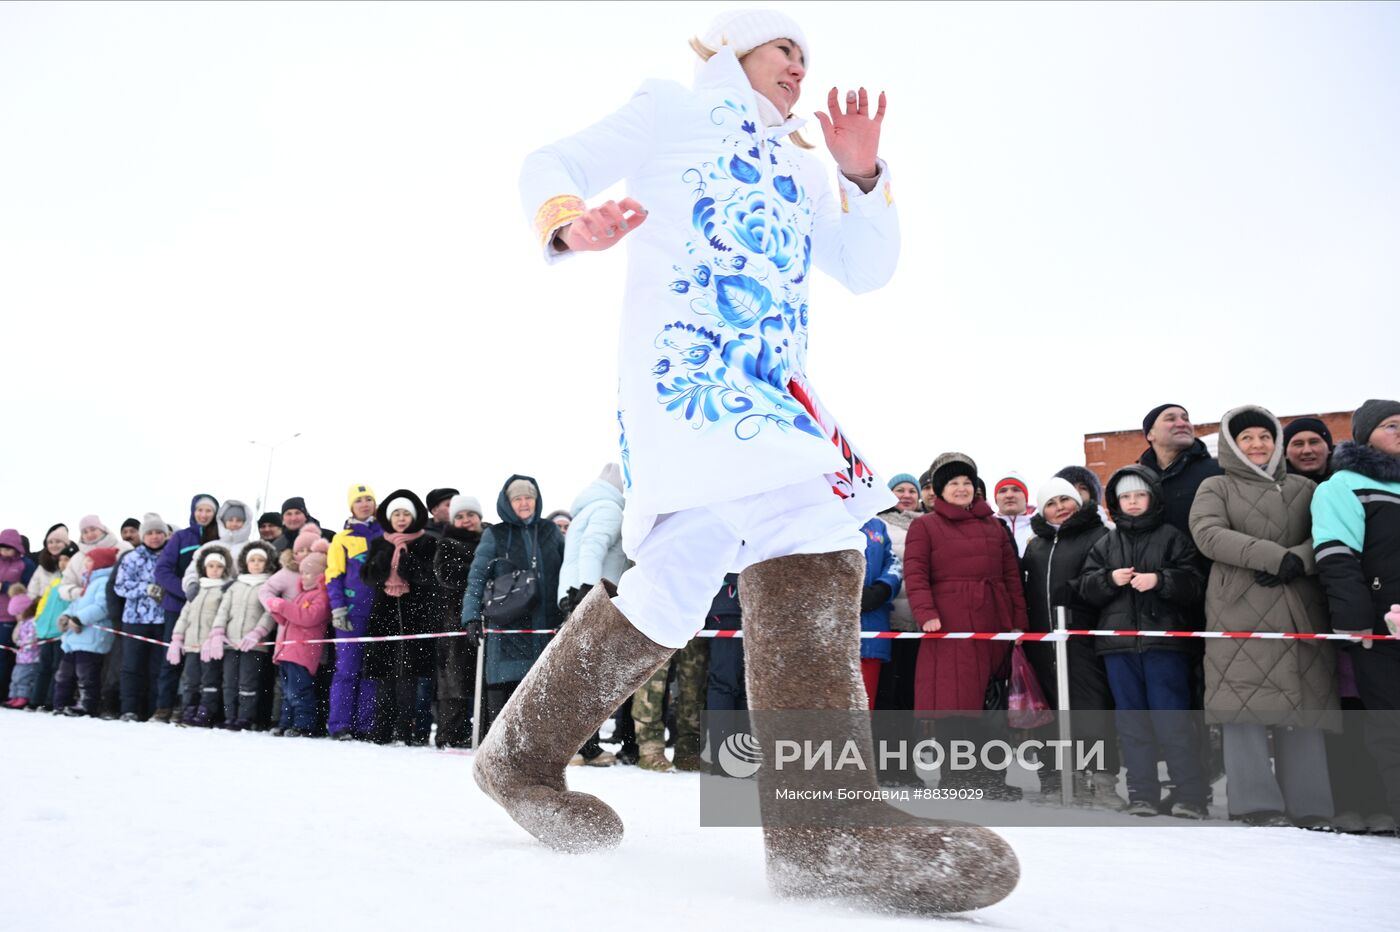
[[729, 461]]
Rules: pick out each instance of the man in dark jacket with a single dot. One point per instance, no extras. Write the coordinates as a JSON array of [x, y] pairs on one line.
[[1182, 463], [269, 527], [131, 532], [1179, 459], [439, 513], [294, 518]]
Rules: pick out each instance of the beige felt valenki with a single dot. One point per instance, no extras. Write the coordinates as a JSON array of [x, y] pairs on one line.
[[802, 653]]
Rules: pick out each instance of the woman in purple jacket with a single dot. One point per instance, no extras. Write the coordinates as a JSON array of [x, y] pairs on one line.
[[170, 571]]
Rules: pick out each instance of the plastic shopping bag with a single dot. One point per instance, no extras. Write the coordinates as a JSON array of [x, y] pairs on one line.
[[1026, 706]]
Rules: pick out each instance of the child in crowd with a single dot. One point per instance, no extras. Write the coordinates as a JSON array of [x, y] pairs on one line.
[[141, 660], [201, 682], [1144, 575], [27, 641], [243, 622], [301, 617], [85, 640], [15, 569], [234, 530], [284, 584], [51, 607]]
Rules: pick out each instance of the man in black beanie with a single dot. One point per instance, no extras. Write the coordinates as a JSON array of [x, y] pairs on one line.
[[1181, 460], [926, 493], [270, 527], [1308, 446], [294, 518], [131, 531]]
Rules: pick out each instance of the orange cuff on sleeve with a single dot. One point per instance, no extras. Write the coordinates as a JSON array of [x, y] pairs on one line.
[[556, 212]]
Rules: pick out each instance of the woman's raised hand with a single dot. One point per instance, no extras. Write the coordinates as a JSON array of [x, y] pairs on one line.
[[853, 136], [603, 226]]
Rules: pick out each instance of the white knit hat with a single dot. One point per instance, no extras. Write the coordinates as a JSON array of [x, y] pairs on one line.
[[461, 503], [1054, 488], [151, 521], [612, 475], [746, 30], [400, 504], [1131, 483]]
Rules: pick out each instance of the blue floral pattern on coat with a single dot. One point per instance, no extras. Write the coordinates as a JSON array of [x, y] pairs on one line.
[[730, 361]]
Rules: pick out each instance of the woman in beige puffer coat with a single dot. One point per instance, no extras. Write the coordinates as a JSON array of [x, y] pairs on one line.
[[1255, 523]]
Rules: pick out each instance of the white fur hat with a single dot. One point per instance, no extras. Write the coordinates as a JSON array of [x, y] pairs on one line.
[[746, 30]]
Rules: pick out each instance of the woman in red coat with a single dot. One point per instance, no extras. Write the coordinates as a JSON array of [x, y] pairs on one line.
[[962, 574]]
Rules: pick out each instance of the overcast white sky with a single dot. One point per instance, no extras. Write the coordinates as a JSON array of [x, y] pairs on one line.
[[231, 222]]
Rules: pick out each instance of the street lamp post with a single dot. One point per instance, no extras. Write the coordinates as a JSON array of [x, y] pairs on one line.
[[271, 449]]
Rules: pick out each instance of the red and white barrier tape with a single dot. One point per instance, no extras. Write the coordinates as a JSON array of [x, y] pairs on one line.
[[1063, 635], [1049, 636], [134, 637], [39, 643]]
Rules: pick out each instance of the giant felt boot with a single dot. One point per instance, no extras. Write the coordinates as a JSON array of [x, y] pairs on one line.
[[802, 652], [597, 660]]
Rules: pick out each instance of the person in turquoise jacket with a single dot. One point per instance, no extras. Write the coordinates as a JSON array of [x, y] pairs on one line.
[[1356, 540], [352, 694], [52, 605], [85, 640]]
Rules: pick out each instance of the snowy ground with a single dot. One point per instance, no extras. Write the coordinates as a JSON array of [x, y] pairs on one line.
[[123, 826]]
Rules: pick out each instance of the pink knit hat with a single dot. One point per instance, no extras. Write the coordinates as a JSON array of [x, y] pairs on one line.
[[315, 563], [307, 539]]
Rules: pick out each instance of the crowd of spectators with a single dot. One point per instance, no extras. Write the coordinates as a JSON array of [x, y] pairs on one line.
[[283, 625]]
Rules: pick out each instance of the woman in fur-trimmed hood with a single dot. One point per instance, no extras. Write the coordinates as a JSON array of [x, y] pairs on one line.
[[407, 600], [1254, 523]]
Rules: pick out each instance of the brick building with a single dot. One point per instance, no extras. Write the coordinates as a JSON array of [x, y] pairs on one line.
[[1105, 453]]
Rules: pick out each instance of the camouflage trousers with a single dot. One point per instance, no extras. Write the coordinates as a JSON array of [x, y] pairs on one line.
[[692, 664]]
